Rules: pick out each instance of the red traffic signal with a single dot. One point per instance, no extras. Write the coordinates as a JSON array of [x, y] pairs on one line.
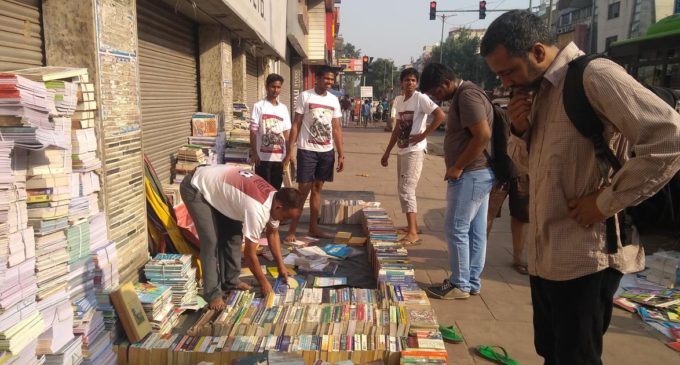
[[482, 9], [365, 63], [433, 10]]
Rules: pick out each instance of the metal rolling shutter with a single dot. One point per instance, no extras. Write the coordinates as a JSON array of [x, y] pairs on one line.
[[252, 87], [284, 97], [21, 44], [168, 74]]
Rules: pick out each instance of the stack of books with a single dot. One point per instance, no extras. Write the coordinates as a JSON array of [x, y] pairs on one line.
[[209, 146], [344, 211], [78, 239], [84, 144], [20, 321], [70, 354], [105, 280], [156, 300], [204, 125], [188, 158], [378, 225], [174, 270]]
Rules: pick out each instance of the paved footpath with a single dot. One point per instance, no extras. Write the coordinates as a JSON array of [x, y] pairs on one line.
[[502, 314]]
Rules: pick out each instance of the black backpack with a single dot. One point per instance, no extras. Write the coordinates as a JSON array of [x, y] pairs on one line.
[[659, 213], [501, 164]]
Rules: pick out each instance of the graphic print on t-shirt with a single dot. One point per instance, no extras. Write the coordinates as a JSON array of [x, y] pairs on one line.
[[405, 122], [249, 183], [320, 130], [272, 137]]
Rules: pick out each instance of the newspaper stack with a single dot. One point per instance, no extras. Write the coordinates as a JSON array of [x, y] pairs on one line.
[[175, 271]]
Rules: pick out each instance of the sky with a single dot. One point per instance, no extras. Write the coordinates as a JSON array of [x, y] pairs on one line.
[[398, 29]]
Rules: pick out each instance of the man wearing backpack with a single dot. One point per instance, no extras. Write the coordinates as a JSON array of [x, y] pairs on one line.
[[468, 133], [574, 271]]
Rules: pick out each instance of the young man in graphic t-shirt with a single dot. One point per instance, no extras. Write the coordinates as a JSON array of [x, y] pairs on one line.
[[316, 130], [269, 128], [410, 131], [228, 204]]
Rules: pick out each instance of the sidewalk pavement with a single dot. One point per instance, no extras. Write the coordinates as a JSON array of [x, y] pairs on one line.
[[502, 314]]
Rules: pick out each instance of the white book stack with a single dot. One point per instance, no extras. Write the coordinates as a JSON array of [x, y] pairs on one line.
[[20, 321], [70, 354]]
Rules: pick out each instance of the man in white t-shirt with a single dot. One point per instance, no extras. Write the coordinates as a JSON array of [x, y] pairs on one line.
[[409, 133], [269, 126], [228, 204], [316, 129]]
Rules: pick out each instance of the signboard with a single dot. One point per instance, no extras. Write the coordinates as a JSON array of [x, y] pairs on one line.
[[366, 91], [351, 64]]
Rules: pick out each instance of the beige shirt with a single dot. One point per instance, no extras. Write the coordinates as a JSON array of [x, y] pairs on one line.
[[562, 166]]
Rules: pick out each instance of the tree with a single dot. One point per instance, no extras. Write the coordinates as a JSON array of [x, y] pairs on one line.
[[461, 53], [349, 51], [383, 78]]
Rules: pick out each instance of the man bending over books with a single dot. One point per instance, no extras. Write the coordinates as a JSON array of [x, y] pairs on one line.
[[228, 204]]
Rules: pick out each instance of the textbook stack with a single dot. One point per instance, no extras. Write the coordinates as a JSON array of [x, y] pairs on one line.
[[174, 270], [188, 158], [156, 300], [20, 321]]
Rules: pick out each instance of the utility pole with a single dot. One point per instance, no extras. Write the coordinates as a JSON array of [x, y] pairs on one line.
[[441, 40]]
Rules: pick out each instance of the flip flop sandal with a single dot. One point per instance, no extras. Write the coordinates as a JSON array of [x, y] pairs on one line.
[[450, 334], [489, 353], [408, 243], [404, 230]]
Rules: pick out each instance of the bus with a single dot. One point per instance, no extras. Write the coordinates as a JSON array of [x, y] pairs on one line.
[[654, 58]]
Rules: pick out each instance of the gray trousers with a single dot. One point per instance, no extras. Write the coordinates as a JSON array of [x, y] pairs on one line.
[[220, 238]]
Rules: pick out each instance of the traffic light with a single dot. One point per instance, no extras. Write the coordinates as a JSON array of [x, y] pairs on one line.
[[433, 10], [365, 62], [482, 9]]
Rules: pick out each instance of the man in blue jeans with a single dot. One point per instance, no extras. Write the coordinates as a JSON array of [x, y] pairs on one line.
[[468, 133]]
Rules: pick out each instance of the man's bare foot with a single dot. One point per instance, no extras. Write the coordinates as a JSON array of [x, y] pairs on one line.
[[320, 234], [243, 286], [217, 304]]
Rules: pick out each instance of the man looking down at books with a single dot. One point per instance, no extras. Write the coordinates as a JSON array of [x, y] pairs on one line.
[[228, 204]]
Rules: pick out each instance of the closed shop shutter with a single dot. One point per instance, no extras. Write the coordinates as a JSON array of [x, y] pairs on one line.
[[252, 87], [21, 44], [284, 97], [168, 74]]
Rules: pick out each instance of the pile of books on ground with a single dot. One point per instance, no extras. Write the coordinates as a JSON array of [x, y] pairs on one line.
[[156, 300], [396, 279], [653, 294], [175, 271], [20, 321]]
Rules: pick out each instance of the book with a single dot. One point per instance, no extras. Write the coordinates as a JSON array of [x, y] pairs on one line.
[[324, 282], [130, 311], [342, 237], [337, 250]]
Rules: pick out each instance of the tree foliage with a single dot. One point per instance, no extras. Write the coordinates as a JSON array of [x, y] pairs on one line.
[[383, 78], [461, 53], [349, 51]]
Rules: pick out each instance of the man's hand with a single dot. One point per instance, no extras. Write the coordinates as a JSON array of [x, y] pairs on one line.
[[283, 273], [265, 289], [519, 109], [341, 163], [417, 138], [255, 158], [384, 159], [286, 161], [585, 211], [453, 173]]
